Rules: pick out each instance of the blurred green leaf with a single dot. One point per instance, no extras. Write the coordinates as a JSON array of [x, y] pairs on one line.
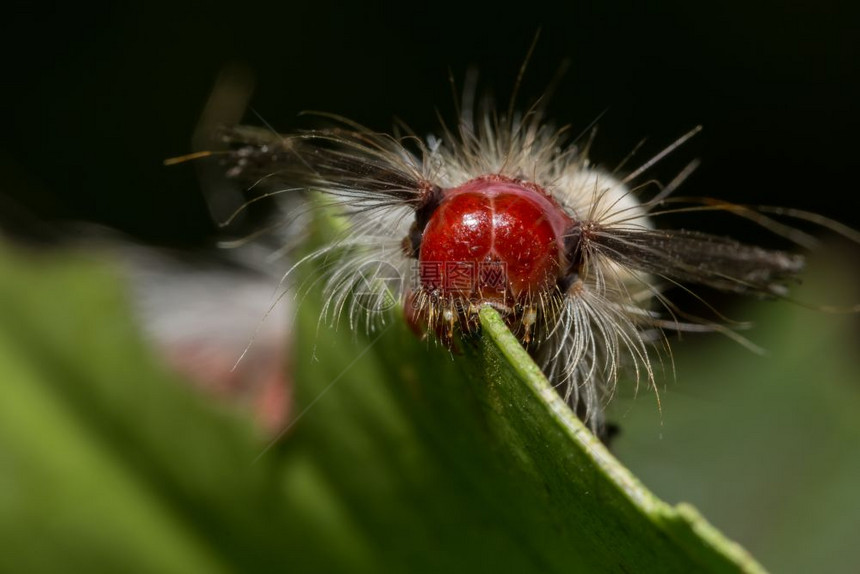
[[402, 457], [767, 447]]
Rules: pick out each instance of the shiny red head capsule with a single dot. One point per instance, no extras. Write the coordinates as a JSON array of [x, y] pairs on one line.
[[493, 240]]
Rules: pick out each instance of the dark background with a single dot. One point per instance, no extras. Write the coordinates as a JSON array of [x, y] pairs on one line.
[[97, 96]]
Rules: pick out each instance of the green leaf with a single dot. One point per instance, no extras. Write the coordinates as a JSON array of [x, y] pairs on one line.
[[401, 457], [766, 446]]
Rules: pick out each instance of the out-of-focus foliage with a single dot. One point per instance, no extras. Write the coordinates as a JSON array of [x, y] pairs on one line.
[[767, 447], [402, 457]]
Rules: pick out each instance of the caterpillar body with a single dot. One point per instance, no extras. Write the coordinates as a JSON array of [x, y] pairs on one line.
[[502, 212]]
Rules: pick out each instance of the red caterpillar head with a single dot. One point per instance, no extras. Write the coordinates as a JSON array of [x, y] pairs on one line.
[[492, 241]]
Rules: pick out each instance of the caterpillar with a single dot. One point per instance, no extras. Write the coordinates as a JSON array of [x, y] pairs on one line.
[[505, 210]]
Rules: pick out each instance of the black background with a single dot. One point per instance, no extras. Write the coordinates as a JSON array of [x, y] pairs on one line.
[[98, 96]]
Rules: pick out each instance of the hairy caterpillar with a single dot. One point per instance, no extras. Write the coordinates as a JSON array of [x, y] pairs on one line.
[[503, 211]]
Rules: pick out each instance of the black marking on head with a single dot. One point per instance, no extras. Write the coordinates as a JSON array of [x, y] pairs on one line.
[[431, 197], [572, 258]]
